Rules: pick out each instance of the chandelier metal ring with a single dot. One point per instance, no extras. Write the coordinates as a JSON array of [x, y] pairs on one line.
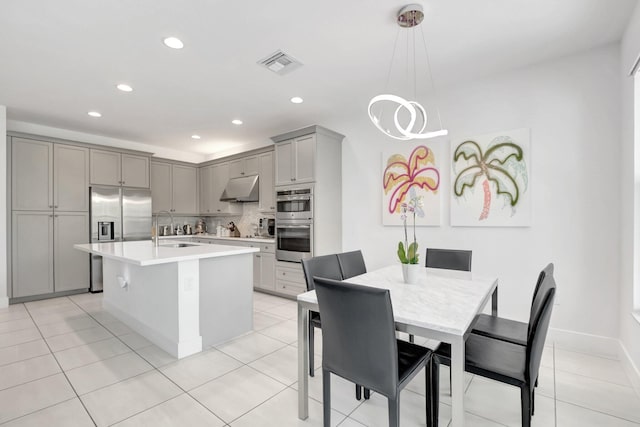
[[413, 109]]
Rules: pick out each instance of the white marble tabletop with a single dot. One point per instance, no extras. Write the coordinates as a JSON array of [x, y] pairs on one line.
[[441, 300], [144, 252]]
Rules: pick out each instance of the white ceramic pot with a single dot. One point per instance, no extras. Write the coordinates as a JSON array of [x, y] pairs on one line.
[[410, 273]]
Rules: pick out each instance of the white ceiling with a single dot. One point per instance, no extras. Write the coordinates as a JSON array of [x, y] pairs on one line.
[[60, 59]]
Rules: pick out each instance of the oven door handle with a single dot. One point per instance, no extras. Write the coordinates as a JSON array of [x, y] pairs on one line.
[[295, 226], [292, 198]]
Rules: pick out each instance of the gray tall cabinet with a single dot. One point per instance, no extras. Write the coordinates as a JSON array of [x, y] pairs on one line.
[[50, 213]]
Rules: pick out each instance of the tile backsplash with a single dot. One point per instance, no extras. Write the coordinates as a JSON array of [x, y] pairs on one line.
[[246, 223]]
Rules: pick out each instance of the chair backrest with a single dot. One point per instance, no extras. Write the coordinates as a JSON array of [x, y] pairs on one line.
[[538, 331], [326, 266], [351, 264], [450, 259], [542, 287], [358, 334]]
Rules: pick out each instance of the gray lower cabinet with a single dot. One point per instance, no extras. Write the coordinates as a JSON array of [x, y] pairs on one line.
[[43, 258], [267, 269], [71, 266], [32, 253]]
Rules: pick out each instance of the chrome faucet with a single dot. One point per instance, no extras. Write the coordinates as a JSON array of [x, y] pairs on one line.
[[157, 238]]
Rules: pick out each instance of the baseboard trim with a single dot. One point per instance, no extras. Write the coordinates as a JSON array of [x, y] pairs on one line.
[[584, 343], [4, 302], [629, 367]]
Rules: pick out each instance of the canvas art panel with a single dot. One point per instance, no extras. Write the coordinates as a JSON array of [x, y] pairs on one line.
[[412, 168], [490, 180]]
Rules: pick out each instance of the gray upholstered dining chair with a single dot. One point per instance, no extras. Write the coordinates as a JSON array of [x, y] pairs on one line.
[[326, 266], [504, 361], [351, 264], [321, 266], [356, 321], [509, 330], [450, 259]]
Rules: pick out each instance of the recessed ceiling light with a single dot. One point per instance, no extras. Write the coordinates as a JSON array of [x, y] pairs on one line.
[[195, 136], [94, 114], [173, 43], [124, 87], [297, 100], [236, 122]]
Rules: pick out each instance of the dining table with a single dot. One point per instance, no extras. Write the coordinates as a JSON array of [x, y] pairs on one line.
[[442, 305]]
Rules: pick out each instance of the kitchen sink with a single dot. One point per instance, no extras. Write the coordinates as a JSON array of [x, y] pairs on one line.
[[178, 245]]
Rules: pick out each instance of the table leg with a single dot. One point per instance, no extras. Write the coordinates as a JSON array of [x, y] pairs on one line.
[[303, 362], [457, 382], [494, 302]]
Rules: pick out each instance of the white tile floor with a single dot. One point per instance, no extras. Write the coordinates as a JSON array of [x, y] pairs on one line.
[[66, 362]]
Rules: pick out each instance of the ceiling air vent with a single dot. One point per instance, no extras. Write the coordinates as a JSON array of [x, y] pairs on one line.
[[280, 63]]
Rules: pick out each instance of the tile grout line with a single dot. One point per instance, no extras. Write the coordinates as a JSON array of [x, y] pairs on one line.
[[555, 396], [63, 371]]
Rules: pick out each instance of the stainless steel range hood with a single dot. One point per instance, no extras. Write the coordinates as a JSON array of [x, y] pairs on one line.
[[242, 189]]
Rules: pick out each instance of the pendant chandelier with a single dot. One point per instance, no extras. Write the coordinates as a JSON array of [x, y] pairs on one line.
[[394, 115]]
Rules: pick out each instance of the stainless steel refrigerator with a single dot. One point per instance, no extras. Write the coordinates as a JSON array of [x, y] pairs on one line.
[[116, 215]]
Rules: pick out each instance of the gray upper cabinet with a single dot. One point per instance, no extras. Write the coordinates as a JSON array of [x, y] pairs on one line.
[[135, 171], [161, 186], [47, 176], [204, 176], [71, 266], [111, 168], [244, 167], [174, 188], [295, 160], [105, 167], [32, 253], [71, 178], [184, 189], [31, 175], [267, 191]]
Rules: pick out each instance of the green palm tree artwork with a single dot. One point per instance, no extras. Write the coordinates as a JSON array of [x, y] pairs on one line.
[[499, 169]]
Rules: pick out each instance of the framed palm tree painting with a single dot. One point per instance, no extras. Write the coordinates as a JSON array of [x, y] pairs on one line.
[[411, 171], [490, 180]]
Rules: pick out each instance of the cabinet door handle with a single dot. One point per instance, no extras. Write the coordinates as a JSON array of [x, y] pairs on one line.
[[56, 206], [55, 216], [50, 216], [50, 206], [241, 173], [122, 182], [257, 256]]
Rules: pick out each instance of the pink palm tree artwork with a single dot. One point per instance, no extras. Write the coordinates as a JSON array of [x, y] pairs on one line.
[[401, 175]]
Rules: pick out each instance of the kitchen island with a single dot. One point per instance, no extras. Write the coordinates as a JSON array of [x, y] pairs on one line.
[[180, 296]]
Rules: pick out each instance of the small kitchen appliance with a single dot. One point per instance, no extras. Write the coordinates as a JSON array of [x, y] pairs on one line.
[[267, 227]]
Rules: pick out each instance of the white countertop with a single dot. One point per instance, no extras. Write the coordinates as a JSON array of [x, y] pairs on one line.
[[213, 236], [146, 253]]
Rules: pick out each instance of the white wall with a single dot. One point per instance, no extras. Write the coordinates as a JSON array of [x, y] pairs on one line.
[[4, 300], [630, 199], [572, 106]]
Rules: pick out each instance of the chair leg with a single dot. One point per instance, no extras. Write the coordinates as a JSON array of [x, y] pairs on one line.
[[394, 411], [525, 402], [533, 402], [429, 395], [311, 349], [411, 338], [435, 392], [450, 381], [358, 392], [326, 397], [367, 393]]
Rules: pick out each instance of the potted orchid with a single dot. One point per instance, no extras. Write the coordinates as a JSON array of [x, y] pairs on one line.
[[408, 252]]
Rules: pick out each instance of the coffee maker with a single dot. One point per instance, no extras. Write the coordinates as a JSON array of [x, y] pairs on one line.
[[267, 227]]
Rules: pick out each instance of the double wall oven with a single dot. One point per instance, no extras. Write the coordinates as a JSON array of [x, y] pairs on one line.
[[294, 223]]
